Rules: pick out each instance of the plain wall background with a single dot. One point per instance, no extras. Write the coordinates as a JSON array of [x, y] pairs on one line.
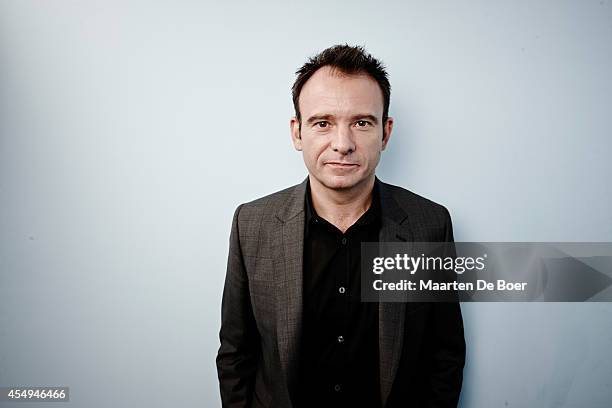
[[130, 131]]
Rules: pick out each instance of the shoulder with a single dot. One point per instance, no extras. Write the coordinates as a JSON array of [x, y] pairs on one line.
[[271, 200], [257, 221], [414, 204], [265, 208]]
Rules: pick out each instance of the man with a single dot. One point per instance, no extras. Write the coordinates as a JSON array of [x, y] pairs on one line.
[[294, 332]]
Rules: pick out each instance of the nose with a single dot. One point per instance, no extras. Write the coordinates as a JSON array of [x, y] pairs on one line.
[[342, 141]]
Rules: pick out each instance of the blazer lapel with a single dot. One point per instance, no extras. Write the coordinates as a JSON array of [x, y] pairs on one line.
[[289, 300], [391, 315]]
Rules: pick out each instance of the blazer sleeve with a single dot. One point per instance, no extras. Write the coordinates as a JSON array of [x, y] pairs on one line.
[[446, 374], [239, 352]]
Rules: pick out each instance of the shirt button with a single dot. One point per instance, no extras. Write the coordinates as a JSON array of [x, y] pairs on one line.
[[343, 241], [341, 289], [337, 388], [340, 339]]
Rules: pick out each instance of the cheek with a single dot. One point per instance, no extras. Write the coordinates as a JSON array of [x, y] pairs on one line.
[[372, 150], [313, 150]]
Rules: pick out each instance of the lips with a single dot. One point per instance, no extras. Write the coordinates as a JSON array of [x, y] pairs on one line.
[[341, 164]]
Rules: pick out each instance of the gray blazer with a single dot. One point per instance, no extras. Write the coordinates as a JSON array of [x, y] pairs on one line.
[[421, 345]]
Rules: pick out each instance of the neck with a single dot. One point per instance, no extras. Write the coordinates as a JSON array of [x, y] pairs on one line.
[[341, 207]]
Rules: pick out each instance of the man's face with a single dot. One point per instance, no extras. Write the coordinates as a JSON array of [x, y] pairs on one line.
[[341, 135]]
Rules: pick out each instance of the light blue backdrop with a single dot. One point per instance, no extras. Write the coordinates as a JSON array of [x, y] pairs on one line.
[[129, 132]]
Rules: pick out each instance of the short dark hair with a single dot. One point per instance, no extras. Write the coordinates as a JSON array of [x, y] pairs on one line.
[[349, 60]]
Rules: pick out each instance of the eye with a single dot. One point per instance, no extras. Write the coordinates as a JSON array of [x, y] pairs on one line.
[[362, 123], [322, 124]]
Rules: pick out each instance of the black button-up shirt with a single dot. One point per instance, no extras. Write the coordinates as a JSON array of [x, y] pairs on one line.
[[339, 363]]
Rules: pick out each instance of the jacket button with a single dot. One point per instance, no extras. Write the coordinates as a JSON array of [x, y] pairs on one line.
[[340, 339], [337, 387]]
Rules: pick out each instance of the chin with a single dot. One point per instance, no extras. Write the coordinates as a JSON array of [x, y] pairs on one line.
[[341, 182]]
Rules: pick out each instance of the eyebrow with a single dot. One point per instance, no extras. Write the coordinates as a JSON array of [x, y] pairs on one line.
[[367, 116]]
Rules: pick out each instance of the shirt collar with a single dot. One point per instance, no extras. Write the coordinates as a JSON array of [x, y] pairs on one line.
[[372, 215]]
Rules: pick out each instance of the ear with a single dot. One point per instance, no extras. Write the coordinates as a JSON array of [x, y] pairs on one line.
[[387, 128], [296, 138]]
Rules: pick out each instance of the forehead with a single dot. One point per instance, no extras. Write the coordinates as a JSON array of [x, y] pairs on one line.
[[331, 91]]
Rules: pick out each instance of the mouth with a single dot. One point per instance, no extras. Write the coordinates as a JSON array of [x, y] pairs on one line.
[[341, 165]]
